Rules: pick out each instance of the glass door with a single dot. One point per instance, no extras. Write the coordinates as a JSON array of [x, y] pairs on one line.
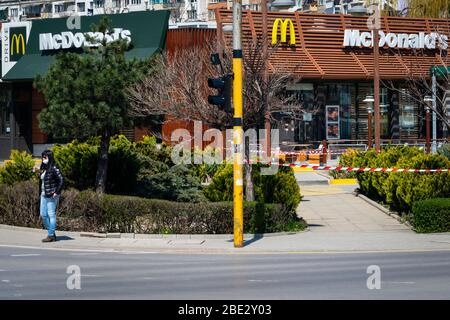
[[5, 123]]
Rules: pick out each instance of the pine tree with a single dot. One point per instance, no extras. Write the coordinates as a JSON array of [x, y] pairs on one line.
[[85, 93]]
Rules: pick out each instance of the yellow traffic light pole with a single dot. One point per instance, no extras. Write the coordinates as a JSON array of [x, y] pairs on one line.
[[238, 133]]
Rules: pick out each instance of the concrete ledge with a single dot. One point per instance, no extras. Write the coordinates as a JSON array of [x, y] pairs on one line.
[[114, 235], [384, 209], [93, 235], [153, 236]]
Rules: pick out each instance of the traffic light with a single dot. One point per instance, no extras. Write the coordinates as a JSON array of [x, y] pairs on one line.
[[223, 85]]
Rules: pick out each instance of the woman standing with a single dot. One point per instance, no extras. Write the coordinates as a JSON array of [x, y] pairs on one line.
[[50, 191]]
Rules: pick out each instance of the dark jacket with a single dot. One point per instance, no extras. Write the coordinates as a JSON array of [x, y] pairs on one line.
[[53, 181]]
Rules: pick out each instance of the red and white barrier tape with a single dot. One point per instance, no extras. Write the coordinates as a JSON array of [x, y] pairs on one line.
[[306, 152], [314, 152], [332, 168]]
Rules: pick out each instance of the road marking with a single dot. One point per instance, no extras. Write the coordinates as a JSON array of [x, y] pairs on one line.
[[90, 275], [257, 280], [137, 252], [77, 250], [18, 285], [231, 251], [6, 281], [1, 270], [398, 282], [83, 254], [26, 255]]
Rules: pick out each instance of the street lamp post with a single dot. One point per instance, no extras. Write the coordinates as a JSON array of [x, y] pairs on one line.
[[376, 80], [267, 126], [427, 100], [369, 101], [433, 79]]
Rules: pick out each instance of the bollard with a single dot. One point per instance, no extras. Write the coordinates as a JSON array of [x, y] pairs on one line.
[[324, 153]]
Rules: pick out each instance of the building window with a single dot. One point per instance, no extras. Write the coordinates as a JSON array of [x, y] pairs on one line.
[[99, 3], [47, 8], [384, 113], [127, 3], [5, 126], [192, 14], [408, 115], [14, 12], [136, 2], [81, 7], [59, 8]]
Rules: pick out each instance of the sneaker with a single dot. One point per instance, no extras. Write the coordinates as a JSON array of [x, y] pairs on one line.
[[49, 239]]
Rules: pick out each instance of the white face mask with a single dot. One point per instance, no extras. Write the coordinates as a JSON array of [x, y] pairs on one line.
[[45, 161]]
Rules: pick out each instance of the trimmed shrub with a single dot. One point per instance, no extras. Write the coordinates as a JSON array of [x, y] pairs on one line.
[[148, 147], [19, 168], [221, 186], [444, 150], [403, 189], [78, 164], [89, 211], [432, 215], [175, 184], [281, 187], [140, 168], [19, 204], [400, 190]]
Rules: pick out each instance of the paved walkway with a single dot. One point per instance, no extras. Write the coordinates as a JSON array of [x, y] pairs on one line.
[[335, 209]]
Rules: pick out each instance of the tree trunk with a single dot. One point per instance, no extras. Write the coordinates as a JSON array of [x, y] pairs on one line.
[[102, 167], [249, 190]]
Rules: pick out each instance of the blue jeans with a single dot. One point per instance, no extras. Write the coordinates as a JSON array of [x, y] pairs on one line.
[[48, 213]]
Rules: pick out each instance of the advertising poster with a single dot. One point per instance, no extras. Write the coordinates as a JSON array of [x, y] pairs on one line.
[[332, 114]]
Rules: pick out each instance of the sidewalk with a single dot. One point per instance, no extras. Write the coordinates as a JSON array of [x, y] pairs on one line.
[[309, 241]]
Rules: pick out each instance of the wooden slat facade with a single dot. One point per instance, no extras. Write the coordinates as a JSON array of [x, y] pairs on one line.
[[319, 52]]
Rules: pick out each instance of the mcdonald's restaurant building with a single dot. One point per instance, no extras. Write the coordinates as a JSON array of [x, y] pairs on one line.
[[29, 47], [331, 59]]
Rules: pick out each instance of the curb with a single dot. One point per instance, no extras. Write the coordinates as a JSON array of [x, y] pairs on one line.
[[140, 236], [343, 181], [35, 230], [302, 169], [388, 212]]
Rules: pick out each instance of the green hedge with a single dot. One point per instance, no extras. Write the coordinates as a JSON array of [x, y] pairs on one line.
[[398, 189], [432, 215], [90, 211], [281, 187], [19, 168]]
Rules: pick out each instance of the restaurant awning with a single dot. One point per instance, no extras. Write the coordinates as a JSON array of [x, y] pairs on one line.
[[146, 31], [319, 51]]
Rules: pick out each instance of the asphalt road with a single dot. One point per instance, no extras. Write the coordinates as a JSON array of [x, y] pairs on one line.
[[42, 274]]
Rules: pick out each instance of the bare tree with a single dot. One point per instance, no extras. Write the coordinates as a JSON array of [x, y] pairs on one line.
[[178, 88], [418, 80]]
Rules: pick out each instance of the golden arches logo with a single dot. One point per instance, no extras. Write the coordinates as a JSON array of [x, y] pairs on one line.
[[287, 23], [19, 42]]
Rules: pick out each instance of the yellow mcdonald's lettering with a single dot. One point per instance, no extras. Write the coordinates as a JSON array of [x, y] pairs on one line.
[[284, 27], [19, 41]]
